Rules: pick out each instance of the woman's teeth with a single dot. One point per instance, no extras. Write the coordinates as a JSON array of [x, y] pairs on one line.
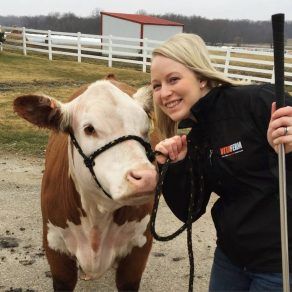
[[172, 103]]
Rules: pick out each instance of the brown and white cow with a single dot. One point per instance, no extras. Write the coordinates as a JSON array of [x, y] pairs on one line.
[[84, 230]]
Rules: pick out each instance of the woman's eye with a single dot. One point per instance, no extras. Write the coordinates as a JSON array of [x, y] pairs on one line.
[[156, 87], [173, 79], [89, 130], [145, 132]]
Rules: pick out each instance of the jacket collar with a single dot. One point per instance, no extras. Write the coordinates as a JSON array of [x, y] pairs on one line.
[[198, 111], [201, 109]]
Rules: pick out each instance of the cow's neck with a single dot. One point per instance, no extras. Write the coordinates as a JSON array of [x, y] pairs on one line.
[[98, 244], [96, 206]]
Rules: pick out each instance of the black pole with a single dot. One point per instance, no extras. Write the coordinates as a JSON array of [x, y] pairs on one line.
[[278, 41], [278, 37]]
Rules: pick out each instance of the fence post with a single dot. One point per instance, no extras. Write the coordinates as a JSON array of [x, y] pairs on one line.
[[50, 45], [145, 54], [24, 41], [110, 51], [227, 60], [1, 44], [273, 75], [79, 46]]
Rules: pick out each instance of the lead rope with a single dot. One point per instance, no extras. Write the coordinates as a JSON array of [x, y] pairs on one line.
[[187, 225]]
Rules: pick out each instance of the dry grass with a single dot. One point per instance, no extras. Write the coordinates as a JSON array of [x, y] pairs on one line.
[[243, 64], [35, 74]]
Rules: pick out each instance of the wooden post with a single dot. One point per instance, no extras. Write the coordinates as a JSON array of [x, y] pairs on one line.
[[1, 44], [273, 75], [145, 54], [23, 41], [79, 46], [110, 51], [227, 60], [50, 45]]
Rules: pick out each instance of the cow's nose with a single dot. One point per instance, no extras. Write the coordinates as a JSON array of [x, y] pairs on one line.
[[144, 180]]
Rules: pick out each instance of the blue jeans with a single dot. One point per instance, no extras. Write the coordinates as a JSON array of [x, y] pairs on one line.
[[225, 277]]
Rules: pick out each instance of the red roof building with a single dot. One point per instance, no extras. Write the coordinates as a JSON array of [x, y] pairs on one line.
[[142, 19], [138, 26]]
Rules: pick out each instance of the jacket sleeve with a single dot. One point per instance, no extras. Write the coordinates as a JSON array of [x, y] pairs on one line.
[[177, 188]]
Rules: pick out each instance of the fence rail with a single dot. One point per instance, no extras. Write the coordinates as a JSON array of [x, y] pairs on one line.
[[248, 64]]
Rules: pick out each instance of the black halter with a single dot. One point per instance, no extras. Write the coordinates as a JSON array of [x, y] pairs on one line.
[[89, 160]]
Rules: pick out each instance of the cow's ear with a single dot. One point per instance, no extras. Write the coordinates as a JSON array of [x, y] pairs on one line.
[[144, 96], [42, 111]]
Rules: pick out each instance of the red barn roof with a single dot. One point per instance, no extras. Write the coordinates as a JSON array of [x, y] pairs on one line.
[[143, 19]]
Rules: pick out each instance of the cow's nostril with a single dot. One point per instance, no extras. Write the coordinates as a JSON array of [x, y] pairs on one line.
[[142, 180], [134, 175]]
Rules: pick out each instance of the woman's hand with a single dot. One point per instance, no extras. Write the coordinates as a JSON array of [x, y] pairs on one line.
[[280, 128], [175, 148]]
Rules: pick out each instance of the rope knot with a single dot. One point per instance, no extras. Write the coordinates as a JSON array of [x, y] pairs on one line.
[[88, 162], [151, 155]]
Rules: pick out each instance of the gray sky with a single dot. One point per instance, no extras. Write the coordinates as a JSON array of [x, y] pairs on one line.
[[226, 9]]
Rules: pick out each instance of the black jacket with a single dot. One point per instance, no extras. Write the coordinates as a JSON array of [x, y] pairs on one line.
[[229, 150]]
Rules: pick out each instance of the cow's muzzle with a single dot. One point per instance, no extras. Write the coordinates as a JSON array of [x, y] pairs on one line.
[[89, 160]]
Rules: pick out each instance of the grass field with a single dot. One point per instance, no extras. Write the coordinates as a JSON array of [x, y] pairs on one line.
[[59, 78]]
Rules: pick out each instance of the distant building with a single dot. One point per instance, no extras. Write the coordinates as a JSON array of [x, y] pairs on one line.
[[138, 26]]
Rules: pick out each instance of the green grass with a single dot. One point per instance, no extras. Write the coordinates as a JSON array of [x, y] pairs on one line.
[[27, 141], [58, 78]]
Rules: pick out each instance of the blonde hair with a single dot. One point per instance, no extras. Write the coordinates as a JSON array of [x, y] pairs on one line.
[[191, 51]]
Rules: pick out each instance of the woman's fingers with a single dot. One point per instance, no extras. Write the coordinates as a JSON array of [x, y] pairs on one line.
[[161, 158], [282, 136], [281, 122], [170, 147], [280, 128], [184, 141], [283, 111], [175, 148], [281, 132]]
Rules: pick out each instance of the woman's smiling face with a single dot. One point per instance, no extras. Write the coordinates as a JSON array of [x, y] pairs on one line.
[[175, 87]]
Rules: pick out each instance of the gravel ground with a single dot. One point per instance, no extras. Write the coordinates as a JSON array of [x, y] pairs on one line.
[[23, 266]]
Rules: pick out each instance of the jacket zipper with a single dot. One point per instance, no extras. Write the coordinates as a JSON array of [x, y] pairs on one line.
[[210, 156]]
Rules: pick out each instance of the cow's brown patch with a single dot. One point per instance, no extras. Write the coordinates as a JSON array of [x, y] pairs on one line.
[[122, 86], [95, 238], [131, 213], [60, 200], [78, 92], [39, 110]]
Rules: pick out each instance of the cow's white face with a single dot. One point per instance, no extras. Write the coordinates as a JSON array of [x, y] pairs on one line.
[[98, 116]]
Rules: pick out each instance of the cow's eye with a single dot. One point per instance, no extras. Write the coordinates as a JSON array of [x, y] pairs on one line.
[[89, 130], [145, 133]]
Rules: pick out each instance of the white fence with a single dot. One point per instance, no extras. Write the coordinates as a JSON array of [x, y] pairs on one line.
[[239, 63]]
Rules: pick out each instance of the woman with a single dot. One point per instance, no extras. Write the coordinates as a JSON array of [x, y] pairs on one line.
[[235, 134]]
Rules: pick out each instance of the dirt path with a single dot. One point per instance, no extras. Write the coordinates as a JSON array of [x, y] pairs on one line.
[[23, 266]]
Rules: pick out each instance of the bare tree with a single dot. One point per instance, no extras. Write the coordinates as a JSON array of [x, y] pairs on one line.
[[216, 31]]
